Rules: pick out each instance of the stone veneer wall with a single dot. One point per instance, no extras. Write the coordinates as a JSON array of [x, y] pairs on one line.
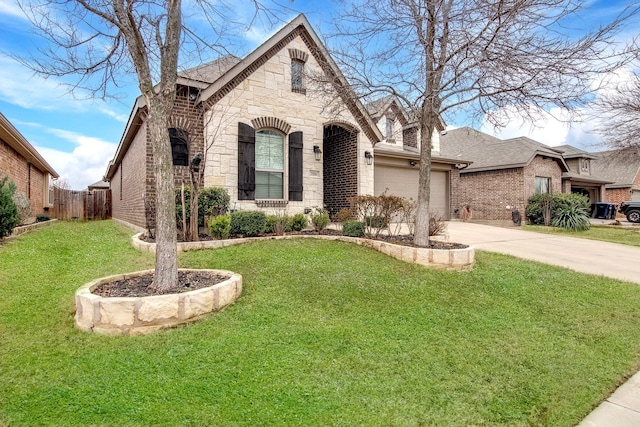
[[340, 167]]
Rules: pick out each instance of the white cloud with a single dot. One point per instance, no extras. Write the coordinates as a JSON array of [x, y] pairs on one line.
[[11, 9], [86, 164]]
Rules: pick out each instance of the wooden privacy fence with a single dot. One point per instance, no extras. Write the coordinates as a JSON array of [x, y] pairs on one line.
[[85, 205]]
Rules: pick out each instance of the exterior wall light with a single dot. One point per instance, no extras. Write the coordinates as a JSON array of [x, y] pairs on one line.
[[369, 157], [412, 163], [317, 152]]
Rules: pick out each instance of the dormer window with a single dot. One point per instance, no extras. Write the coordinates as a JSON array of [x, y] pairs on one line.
[[298, 61], [389, 129], [584, 165]]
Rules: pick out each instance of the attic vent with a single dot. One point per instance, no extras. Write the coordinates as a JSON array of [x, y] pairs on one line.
[[272, 123], [298, 54]]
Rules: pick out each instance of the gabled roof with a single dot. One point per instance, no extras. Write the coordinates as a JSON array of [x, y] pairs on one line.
[[490, 153], [571, 152], [299, 26], [618, 166], [379, 107], [207, 73], [10, 135]]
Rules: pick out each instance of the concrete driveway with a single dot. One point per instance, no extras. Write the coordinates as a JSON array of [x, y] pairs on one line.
[[582, 255]]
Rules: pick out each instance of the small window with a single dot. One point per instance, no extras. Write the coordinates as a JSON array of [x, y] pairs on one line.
[[584, 163], [179, 146], [389, 129], [543, 185], [297, 76]]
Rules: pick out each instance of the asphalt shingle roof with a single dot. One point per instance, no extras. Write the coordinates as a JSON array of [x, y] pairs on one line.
[[618, 166]]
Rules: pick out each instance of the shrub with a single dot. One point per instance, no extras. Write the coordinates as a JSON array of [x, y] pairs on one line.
[[212, 201], [377, 211], [437, 224], [23, 206], [344, 214], [277, 223], [220, 226], [320, 220], [376, 221], [42, 217], [248, 223], [353, 228], [8, 211], [572, 218], [557, 202], [298, 222]]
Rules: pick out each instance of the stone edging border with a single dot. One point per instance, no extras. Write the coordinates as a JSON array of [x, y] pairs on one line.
[[26, 228], [143, 315], [446, 259]]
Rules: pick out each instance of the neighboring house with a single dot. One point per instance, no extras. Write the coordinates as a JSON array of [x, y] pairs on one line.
[[582, 178], [397, 157], [503, 174], [270, 135], [25, 167], [622, 169], [100, 185]]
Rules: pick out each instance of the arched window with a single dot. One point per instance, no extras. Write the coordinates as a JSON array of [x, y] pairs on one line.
[[179, 146], [269, 165]]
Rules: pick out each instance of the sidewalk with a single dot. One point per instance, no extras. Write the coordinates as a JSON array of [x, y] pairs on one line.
[[622, 408]]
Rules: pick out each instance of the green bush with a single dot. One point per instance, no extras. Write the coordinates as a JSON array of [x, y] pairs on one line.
[[248, 223], [320, 221], [573, 218], [558, 202], [278, 223], [298, 222], [8, 210], [212, 201], [353, 228], [220, 226]]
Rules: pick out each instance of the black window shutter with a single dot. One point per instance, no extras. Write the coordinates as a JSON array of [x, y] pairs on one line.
[[246, 162], [179, 147], [295, 166]]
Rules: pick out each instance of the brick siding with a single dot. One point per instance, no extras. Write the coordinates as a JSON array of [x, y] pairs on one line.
[[28, 179], [492, 195], [340, 167], [410, 137]]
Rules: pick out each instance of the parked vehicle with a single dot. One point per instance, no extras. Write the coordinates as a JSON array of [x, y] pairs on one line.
[[631, 210]]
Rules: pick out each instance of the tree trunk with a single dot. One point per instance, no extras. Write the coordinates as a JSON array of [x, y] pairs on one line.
[[421, 237], [166, 272]]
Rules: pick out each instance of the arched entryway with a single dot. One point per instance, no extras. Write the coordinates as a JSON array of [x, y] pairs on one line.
[[340, 166]]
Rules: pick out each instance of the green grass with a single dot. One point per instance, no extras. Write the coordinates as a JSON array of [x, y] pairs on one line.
[[624, 236], [325, 333]]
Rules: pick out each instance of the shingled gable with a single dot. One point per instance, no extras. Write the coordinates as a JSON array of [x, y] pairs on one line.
[[491, 153], [298, 27]]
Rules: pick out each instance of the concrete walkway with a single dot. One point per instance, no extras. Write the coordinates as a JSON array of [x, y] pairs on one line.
[[622, 408]]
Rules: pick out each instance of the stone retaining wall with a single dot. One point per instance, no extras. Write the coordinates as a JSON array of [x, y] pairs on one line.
[[447, 259], [142, 315]]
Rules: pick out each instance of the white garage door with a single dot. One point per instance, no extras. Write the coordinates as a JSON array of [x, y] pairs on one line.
[[404, 182]]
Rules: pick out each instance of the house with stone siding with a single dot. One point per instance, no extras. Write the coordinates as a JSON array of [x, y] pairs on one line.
[[503, 173], [25, 167], [397, 157], [272, 133]]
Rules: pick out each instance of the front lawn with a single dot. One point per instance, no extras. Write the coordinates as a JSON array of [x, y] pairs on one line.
[[626, 236], [326, 333]]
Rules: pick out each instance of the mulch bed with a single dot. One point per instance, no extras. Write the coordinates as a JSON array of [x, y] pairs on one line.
[[139, 286], [404, 240]]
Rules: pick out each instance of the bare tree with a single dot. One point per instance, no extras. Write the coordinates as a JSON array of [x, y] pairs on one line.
[[441, 56], [618, 111], [100, 42]]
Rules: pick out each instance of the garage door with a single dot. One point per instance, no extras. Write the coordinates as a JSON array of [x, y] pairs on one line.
[[403, 182]]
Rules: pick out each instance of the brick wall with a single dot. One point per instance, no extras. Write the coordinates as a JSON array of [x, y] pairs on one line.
[[489, 193], [494, 194], [340, 167], [410, 137], [28, 179]]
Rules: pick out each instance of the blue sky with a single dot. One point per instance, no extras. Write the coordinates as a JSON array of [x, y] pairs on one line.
[[78, 135]]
